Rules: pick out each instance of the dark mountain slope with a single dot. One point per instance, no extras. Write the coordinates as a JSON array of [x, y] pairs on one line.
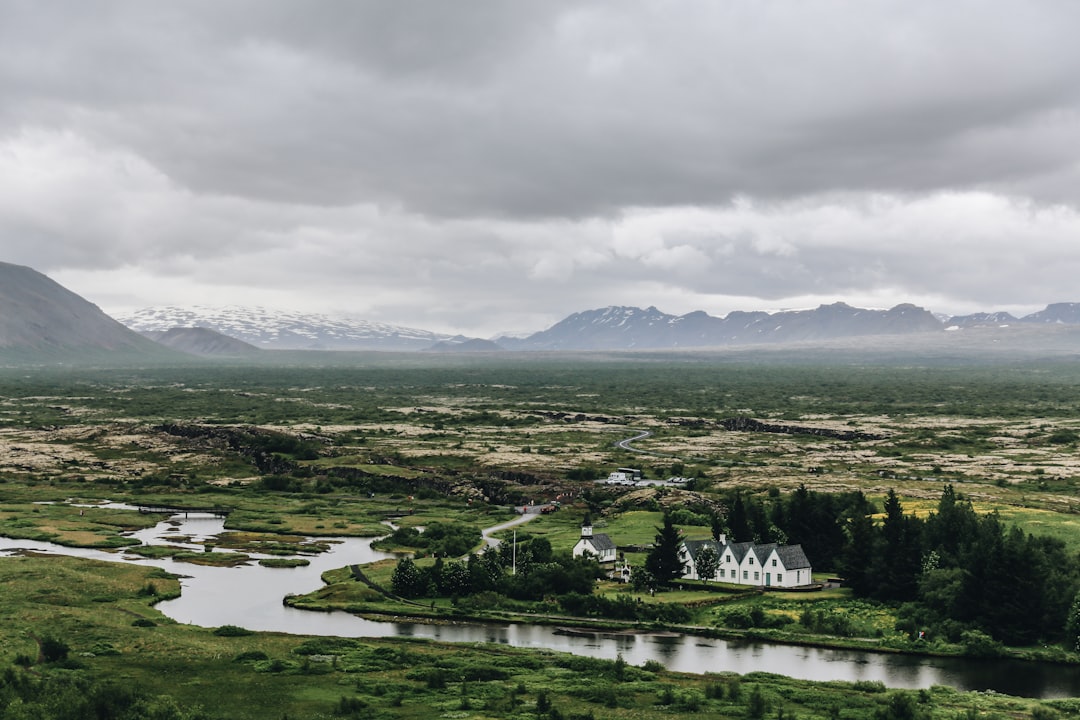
[[203, 342], [42, 321]]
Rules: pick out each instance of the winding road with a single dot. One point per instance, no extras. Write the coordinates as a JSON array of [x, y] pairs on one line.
[[625, 443], [519, 520]]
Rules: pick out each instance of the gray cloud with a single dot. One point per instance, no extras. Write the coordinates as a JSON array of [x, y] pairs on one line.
[[437, 163]]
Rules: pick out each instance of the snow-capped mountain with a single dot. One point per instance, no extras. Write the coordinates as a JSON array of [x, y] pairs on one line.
[[629, 328], [983, 319], [284, 330], [1065, 313]]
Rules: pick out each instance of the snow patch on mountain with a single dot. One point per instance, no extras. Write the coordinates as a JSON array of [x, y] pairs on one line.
[[283, 329]]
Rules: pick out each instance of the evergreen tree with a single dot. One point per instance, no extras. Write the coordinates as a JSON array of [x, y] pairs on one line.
[[663, 560], [900, 561], [860, 554], [738, 522], [716, 524]]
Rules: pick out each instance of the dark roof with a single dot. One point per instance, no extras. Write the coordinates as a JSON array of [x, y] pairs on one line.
[[694, 547], [600, 541], [739, 549], [792, 556], [763, 552]]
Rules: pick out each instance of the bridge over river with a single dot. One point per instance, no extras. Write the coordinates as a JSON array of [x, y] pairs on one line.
[[185, 510]]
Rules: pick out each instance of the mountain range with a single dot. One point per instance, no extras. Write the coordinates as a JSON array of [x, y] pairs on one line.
[[39, 319], [285, 330]]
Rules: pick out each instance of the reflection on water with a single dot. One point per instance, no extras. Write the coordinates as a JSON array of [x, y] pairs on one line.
[[251, 596]]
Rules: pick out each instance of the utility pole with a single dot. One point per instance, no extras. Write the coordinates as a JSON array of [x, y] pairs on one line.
[[513, 569]]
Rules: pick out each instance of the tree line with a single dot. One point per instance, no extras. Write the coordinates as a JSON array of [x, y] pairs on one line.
[[953, 572]]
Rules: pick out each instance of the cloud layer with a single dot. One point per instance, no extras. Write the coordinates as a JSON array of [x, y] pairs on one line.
[[488, 166]]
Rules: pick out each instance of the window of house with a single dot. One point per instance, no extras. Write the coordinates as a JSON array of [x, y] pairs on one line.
[[745, 575], [721, 572], [751, 561], [774, 562], [779, 577], [729, 558], [756, 575]]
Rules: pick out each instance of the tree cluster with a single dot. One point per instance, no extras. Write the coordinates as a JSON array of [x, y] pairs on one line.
[[956, 571], [532, 572], [961, 571], [441, 539]]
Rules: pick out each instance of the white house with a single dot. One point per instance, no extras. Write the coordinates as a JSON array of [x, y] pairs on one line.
[[747, 563], [598, 546]]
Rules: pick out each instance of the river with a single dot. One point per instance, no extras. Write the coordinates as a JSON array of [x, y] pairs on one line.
[[251, 596]]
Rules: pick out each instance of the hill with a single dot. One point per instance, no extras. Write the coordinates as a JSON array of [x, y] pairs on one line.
[[203, 342], [41, 321]]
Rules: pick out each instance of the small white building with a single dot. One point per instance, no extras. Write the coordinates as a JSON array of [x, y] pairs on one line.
[[747, 563], [597, 546]]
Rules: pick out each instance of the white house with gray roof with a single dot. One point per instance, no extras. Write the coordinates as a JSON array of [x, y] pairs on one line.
[[598, 546], [747, 563]]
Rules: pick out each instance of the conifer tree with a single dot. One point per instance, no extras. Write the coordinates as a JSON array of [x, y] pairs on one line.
[[663, 560]]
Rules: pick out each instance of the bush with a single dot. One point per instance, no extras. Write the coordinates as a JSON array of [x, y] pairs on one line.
[[232, 631], [979, 644], [54, 650]]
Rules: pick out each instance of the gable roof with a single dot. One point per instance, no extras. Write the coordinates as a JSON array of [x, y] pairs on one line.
[[599, 541], [694, 548], [763, 552], [740, 549], [792, 556]]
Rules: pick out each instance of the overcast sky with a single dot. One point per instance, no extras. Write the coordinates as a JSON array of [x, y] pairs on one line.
[[495, 165]]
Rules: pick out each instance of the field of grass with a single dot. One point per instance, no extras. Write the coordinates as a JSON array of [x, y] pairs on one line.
[[343, 447], [102, 613]]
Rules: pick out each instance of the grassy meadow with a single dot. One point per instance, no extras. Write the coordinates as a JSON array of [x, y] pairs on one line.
[[350, 443]]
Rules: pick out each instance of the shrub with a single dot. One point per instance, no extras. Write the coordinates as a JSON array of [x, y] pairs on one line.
[[232, 631], [347, 707], [979, 644], [54, 650]]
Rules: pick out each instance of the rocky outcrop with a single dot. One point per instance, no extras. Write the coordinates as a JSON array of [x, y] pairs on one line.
[[745, 424]]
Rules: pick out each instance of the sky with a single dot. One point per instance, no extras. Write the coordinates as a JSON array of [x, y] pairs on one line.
[[492, 166]]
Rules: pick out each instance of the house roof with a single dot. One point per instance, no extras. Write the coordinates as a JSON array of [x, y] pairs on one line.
[[739, 549], [763, 552], [792, 556], [600, 541], [694, 547]]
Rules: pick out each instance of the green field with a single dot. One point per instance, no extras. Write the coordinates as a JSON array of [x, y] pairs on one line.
[[349, 443]]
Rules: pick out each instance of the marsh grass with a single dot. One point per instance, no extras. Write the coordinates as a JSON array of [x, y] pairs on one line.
[[1006, 435]]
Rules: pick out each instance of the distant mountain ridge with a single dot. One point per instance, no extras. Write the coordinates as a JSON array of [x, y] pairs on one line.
[[41, 320], [284, 330], [630, 328], [609, 328], [201, 341]]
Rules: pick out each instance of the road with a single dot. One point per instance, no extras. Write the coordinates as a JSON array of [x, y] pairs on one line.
[[625, 444], [520, 519]]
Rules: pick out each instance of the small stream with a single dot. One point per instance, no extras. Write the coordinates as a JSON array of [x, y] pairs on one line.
[[250, 596]]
